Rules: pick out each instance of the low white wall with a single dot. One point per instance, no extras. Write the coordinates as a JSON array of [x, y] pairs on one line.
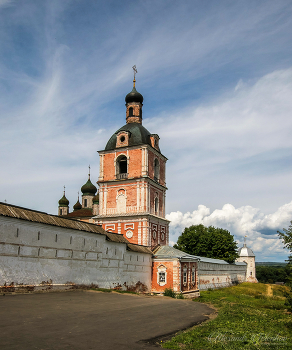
[[32, 253], [213, 275]]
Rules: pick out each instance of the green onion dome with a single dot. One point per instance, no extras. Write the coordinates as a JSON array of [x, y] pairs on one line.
[[63, 202], [77, 205], [88, 188]]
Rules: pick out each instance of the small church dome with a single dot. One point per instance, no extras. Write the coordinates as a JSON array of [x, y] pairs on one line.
[[245, 251], [88, 188], [63, 202], [134, 96], [77, 205]]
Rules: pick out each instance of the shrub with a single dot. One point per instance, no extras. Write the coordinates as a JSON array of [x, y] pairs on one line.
[[168, 292], [288, 301], [180, 296]]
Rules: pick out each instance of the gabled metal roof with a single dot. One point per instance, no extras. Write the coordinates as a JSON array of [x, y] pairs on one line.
[[170, 252]]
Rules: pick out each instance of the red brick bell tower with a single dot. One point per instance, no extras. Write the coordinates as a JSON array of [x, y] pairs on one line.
[[132, 181]]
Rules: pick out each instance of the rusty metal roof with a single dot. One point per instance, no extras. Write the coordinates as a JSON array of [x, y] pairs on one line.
[[84, 212], [14, 211], [139, 248]]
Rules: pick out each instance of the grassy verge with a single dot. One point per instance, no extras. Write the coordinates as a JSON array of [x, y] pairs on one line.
[[250, 316]]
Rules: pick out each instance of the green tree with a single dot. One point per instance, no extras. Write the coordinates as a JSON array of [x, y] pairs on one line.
[[286, 238], [272, 273], [210, 242]]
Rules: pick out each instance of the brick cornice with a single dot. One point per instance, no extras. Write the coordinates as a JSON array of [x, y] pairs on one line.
[[120, 216], [127, 148], [133, 179]]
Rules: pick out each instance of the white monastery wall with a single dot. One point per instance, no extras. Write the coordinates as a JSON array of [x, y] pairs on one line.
[[216, 275], [32, 253]]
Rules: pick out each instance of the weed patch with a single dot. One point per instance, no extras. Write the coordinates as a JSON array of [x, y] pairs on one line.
[[105, 290], [168, 292]]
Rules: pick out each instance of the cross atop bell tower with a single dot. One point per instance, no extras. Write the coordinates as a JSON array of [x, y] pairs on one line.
[[135, 72], [134, 103]]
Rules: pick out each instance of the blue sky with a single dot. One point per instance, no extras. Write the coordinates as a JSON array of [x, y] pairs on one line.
[[216, 77]]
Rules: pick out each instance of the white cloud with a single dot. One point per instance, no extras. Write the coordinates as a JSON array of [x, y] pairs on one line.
[[260, 229], [236, 148]]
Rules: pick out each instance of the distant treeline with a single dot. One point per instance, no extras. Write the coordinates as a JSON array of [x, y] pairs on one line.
[[272, 272], [278, 264]]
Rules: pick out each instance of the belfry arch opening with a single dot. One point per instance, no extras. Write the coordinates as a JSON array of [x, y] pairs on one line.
[[122, 167], [130, 111]]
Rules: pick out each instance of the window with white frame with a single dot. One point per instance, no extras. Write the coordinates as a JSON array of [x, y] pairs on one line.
[[161, 275]]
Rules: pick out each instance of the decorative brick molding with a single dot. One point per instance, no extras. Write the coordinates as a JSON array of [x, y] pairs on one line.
[[122, 139]]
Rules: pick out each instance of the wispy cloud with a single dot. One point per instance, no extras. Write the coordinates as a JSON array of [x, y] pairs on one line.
[[216, 80]]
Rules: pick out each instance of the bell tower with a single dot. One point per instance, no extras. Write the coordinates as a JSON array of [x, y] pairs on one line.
[[132, 180]]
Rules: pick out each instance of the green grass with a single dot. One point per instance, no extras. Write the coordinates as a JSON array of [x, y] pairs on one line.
[[105, 290], [247, 319], [125, 292]]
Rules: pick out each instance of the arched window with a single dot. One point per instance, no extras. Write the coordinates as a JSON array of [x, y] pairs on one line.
[[156, 169], [161, 275], [130, 111], [156, 206], [121, 203], [122, 167]]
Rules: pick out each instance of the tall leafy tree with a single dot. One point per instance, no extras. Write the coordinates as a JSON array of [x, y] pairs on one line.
[[210, 242], [286, 238]]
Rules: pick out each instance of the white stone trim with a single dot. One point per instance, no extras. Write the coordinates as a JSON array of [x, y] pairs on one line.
[[161, 269]]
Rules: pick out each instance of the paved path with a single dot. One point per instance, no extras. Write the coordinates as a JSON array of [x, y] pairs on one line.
[[92, 320]]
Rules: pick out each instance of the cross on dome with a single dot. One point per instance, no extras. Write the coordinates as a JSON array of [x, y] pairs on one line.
[[135, 72]]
